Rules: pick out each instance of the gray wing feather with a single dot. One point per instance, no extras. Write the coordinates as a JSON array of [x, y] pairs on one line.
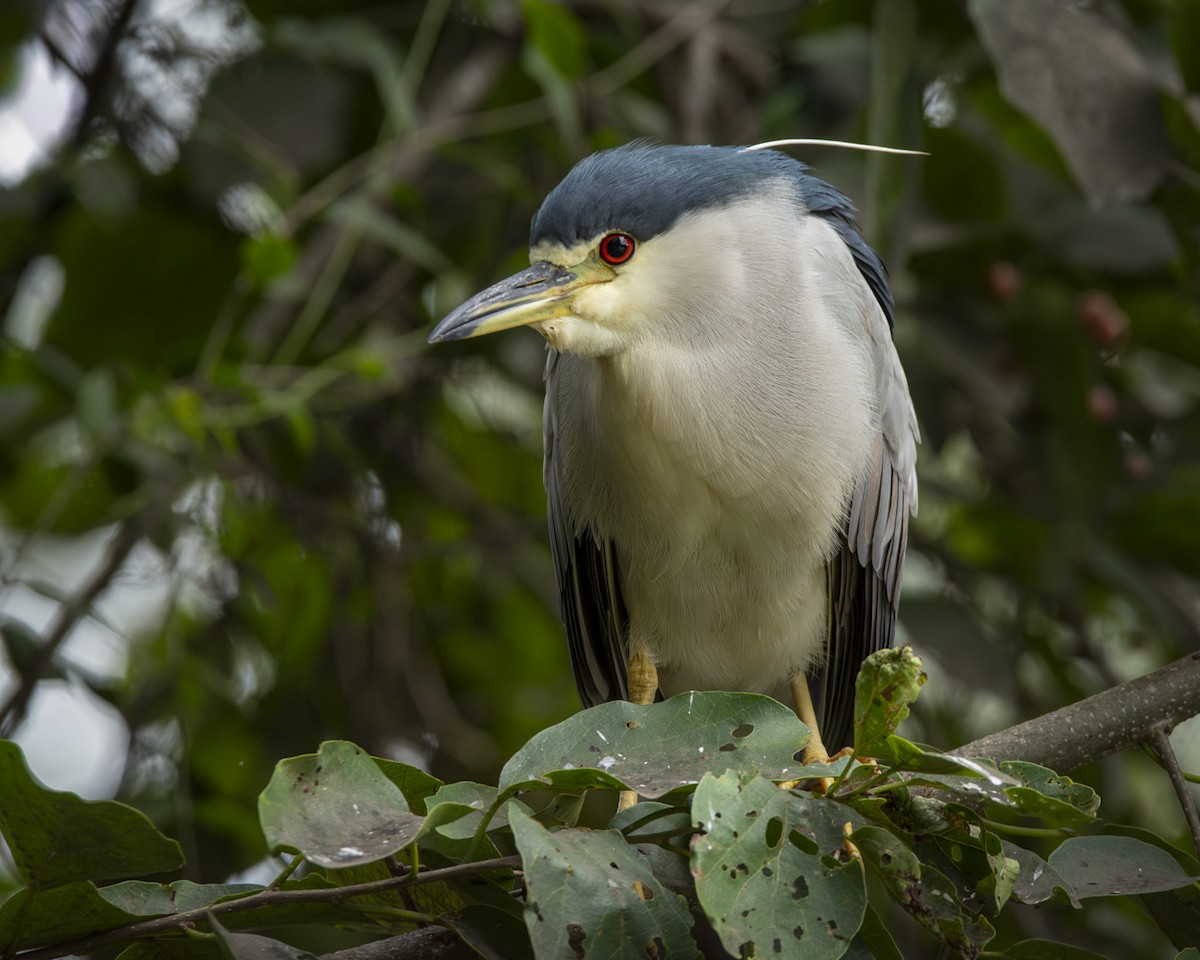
[[590, 602], [863, 577]]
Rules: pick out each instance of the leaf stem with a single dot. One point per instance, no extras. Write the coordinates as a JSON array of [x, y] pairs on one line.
[[481, 830], [286, 872], [398, 913], [1018, 831]]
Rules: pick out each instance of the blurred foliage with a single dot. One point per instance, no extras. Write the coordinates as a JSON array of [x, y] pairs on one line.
[[215, 288]]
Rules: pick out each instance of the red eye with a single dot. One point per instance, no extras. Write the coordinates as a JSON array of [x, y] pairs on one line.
[[616, 248]]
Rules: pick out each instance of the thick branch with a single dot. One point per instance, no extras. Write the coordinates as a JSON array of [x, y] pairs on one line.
[[429, 943], [1119, 718]]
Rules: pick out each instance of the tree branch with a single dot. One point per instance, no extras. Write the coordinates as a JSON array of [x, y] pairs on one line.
[[189, 919], [70, 613], [1121, 717], [430, 943], [1166, 756]]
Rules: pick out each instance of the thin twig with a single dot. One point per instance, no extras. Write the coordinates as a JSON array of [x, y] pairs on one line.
[[428, 943], [69, 614], [267, 898], [99, 77], [1161, 741]]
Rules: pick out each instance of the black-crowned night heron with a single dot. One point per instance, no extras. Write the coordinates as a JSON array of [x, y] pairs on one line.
[[729, 437]]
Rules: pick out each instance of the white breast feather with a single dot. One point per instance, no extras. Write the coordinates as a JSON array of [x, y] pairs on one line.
[[720, 448]]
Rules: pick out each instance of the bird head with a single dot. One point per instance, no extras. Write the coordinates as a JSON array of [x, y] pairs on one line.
[[645, 234]]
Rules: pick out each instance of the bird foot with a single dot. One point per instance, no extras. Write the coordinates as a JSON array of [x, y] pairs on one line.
[[848, 847], [815, 753], [820, 756]]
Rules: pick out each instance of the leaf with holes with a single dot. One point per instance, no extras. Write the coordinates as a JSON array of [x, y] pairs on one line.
[[923, 891], [1047, 782], [590, 895], [337, 807], [767, 869], [937, 906], [888, 682], [660, 747], [973, 857]]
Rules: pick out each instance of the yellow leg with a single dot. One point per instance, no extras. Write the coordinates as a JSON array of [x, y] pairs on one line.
[[642, 677], [815, 752]]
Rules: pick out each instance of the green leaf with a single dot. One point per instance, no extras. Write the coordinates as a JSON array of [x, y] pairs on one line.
[[252, 946], [479, 797], [937, 906], [1105, 866], [1037, 881], [650, 818], [1051, 810], [977, 856], [79, 909], [968, 786], [441, 814], [1191, 953], [416, 785], [890, 857], [660, 747], [1046, 781], [590, 895], [337, 807], [39, 918], [142, 898], [491, 932], [888, 682], [901, 754], [1177, 912], [875, 936], [1045, 950], [766, 869], [57, 838], [922, 890]]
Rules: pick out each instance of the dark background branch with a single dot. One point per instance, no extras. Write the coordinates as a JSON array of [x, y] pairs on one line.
[[1121, 717]]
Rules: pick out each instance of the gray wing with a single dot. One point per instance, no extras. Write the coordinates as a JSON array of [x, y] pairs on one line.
[[864, 575], [590, 601]]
